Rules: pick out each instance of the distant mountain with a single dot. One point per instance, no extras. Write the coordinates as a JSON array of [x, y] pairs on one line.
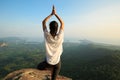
[[86, 42], [21, 39], [2, 44], [11, 39]]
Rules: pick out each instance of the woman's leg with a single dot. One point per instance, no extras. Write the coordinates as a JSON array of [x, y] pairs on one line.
[[42, 66], [56, 70]]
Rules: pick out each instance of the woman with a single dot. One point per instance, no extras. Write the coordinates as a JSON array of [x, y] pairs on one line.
[[53, 45]]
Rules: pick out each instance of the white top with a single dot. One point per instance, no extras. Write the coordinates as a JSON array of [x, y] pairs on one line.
[[53, 46]]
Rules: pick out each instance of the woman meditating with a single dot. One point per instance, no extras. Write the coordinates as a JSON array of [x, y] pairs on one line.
[[53, 45]]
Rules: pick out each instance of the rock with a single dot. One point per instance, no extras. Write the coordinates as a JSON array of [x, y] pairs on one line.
[[32, 74]]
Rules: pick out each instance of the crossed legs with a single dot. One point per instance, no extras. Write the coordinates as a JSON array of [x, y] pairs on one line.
[[55, 68]]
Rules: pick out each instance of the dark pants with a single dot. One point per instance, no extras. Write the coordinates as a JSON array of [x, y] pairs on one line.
[[55, 68]]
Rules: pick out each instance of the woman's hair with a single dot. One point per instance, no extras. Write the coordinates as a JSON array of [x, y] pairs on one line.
[[53, 28]]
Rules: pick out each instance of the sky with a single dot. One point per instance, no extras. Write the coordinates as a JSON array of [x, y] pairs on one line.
[[95, 20]]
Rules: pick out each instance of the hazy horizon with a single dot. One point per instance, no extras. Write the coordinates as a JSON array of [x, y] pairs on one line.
[[94, 20]]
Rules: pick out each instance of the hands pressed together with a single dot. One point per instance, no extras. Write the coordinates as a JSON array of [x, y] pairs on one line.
[[53, 11], [49, 16]]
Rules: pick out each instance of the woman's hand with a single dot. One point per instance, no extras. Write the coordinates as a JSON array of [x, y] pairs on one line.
[[53, 11]]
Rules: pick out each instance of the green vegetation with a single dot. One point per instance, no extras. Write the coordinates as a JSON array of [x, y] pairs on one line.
[[79, 61], [91, 62], [18, 56]]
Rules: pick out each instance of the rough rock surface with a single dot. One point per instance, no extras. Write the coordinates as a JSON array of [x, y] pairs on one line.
[[32, 74]]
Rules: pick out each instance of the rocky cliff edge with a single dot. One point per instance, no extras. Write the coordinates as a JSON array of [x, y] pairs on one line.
[[32, 74]]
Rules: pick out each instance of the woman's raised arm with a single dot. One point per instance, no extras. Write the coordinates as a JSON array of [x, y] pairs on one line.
[[44, 21], [61, 21]]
